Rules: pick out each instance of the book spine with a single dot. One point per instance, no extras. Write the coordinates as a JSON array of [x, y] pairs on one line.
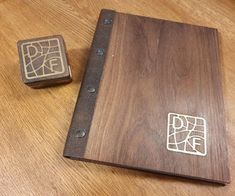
[[79, 128]]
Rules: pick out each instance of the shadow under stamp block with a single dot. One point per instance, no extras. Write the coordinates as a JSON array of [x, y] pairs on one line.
[[43, 61]]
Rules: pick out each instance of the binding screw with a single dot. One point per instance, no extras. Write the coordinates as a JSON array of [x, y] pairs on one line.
[[80, 133], [100, 51], [91, 89], [107, 21]]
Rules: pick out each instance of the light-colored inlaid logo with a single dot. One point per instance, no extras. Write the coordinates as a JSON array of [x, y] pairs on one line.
[[42, 58], [186, 134]]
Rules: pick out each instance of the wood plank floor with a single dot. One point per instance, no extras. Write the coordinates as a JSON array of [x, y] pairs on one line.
[[34, 123]]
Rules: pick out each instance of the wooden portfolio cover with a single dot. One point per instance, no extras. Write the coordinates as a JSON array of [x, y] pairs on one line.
[[151, 99]]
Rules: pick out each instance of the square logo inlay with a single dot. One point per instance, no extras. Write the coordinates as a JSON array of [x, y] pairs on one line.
[[186, 134], [42, 58]]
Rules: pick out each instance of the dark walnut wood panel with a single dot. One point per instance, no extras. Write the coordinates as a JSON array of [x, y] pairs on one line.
[[160, 105]]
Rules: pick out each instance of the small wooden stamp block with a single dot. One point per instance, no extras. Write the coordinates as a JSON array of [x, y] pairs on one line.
[[43, 61]]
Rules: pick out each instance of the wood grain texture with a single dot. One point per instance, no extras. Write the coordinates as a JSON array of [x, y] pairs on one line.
[[34, 123], [153, 68], [81, 121]]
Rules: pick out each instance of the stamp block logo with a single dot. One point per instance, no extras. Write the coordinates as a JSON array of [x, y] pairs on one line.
[[186, 134], [42, 58]]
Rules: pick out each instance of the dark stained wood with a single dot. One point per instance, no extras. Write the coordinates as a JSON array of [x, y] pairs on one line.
[[81, 122], [154, 69], [43, 61]]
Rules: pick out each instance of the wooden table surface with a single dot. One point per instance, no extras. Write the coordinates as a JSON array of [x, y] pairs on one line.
[[34, 123]]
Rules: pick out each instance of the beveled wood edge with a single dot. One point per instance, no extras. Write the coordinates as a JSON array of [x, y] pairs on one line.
[[50, 82], [218, 42], [170, 21], [209, 181]]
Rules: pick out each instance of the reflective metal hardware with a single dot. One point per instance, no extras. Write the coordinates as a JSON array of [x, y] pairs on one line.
[[100, 51], [108, 21], [91, 89], [80, 133]]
